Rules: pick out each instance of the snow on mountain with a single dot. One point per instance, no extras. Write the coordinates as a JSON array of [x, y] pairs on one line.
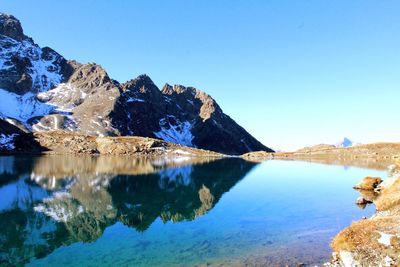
[[7, 141], [345, 143], [25, 70], [60, 97], [43, 66], [54, 208], [22, 107], [44, 92], [178, 134]]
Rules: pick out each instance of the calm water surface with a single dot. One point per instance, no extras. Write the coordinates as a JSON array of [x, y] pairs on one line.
[[103, 211]]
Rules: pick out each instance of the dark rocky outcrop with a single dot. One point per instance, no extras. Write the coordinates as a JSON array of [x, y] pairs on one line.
[[47, 92], [15, 138], [11, 27]]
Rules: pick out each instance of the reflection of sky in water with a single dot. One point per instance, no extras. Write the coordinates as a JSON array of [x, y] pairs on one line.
[[279, 210]]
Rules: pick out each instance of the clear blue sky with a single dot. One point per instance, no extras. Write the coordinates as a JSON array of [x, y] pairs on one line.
[[293, 73]]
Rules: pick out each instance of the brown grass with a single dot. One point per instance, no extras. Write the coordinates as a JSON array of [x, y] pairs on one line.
[[368, 183], [361, 238], [389, 198]]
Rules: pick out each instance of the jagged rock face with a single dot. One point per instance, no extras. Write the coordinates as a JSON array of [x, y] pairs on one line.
[[25, 67], [179, 114], [44, 92], [210, 128], [140, 107], [10, 26]]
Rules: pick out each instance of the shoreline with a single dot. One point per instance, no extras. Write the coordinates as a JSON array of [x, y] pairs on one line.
[[373, 241], [70, 143]]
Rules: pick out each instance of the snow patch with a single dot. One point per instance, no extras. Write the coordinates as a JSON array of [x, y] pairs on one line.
[[167, 160], [178, 134], [134, 99], [7, 141], [56, 211], [388, 261], [345, 143], [44, 73], [61, 97], [181, 152], [385, 238], [133, 96], [58, 214], [22, 107], [348, 259]]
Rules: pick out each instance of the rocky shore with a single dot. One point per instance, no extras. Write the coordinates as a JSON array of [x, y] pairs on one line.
[[367, 151], [371, 241], [374, 241], [375, 156], [61, 142]]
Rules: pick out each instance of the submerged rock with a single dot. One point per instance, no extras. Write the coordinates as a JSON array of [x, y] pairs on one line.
[[362, 201]]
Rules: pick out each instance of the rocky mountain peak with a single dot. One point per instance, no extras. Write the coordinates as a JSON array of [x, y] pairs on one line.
[[167, 89], [208, 107], [346, 142], [45, 92], [141, 90], [24, 66], [195, 97], [142, 84], [178, 89], [10, 26], [89, 75]]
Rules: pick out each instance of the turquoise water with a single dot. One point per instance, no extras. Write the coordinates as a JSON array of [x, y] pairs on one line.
[[82, 211]]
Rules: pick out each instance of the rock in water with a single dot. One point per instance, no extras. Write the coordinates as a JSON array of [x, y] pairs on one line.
[[368, 183]]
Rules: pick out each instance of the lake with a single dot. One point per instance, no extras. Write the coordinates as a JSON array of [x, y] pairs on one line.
[[121, 211]]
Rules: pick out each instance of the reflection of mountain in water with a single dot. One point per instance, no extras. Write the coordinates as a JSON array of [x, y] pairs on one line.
[[52, 201]]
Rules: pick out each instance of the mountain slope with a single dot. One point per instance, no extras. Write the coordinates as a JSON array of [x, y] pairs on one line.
[[46, 92]]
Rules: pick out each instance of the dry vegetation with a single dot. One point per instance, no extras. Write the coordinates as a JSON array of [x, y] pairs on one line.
[[368, 183], [390, 198], [375, 156], [375, 151], [374, 241]]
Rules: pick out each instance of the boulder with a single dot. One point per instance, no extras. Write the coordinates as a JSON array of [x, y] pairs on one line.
[[368, 183]]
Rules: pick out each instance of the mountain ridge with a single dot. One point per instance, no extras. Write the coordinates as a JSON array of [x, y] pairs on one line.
[[46, 92]]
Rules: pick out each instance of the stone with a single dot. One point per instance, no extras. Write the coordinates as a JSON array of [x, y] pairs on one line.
[[368, 183]]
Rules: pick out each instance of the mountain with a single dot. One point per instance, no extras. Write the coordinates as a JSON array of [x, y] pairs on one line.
[[345, 143], [43, 91]]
